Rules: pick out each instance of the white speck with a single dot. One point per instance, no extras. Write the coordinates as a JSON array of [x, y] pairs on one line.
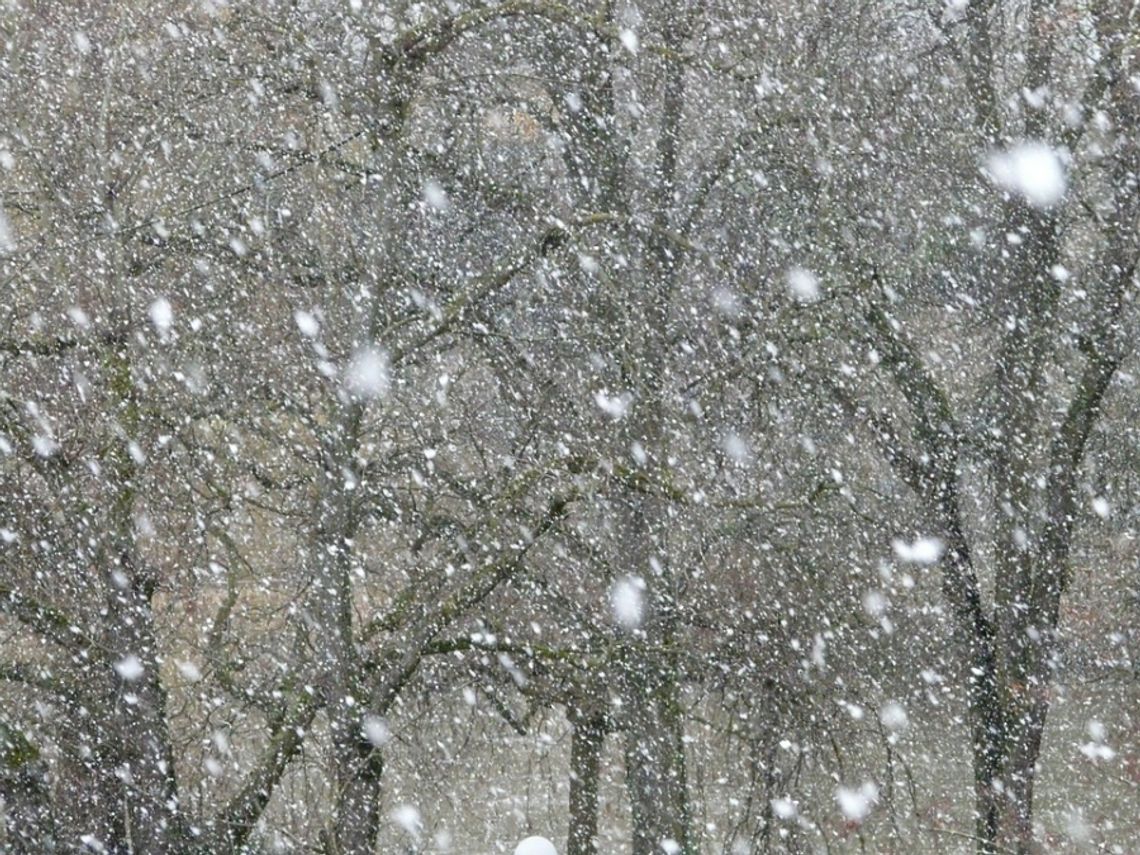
[[7, 242], [588, 263], [469, 696], [1060, 272], [818, 651], [670, 846], [8, 536], [726, 302], [376, 730], [130, 668], [82, 43], [1077, 827], [90, 841], [189, 671], [856, 804], [238, 246], [536, 846], [161, 315], [803, 285], [435, 195], [7, 162], [213, 767], [573, 102], [856, 712], [136, 452], [737, 448], [44, 445], [1032, 170], [627, 601], [924, 550], [875, 603], [1101, 507], [784, 808], [1097, 751], [893, 716], [79, 317], [408, 818], [144, 526], [614, 406], [307, 323], [367, 374], [629, 40], [1036, 98], [638, 451]]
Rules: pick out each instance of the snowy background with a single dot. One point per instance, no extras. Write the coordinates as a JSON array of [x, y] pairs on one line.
[[684, 427]]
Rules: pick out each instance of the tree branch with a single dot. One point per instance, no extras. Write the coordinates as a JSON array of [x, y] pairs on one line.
[[48, 621], [236, 821]]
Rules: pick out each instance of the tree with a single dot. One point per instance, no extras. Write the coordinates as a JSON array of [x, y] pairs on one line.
[[86, 578], [587, 355], [1023, 448]]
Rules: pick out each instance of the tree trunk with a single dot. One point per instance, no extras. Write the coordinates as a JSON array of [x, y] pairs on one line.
[[587, 741], [359, 768], [26, 794], [356, 764], [655, 756], [1008, 720], [139, 751]]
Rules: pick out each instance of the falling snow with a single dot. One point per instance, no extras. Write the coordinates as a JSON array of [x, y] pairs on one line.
[[924, 550], [408, 818], [7, 240], [130, 668], [614, 406], [627, 599], [535, 846], [856, 803], [436, 196], [803, 285], [1033, 171], [366, 376], [161, 315], [307, 323], [376, 730], [480, 427]]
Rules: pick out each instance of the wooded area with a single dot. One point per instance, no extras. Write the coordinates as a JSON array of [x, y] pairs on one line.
[[667, 427]]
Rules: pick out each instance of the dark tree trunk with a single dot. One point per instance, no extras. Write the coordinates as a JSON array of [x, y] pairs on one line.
[[359, 768], [132, 743], [1008, 720], [655, 756], [24, 789], [587, 741]]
